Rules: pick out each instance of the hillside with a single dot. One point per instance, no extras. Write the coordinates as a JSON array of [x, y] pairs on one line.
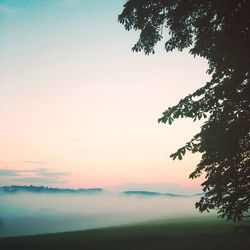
[[42, 189], [149, 193], [181, 234]]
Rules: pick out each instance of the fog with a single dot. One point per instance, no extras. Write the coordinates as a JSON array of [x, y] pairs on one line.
[[28, 213]]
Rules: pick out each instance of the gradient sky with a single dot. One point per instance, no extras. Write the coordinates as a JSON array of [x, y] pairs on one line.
[[78, 108]]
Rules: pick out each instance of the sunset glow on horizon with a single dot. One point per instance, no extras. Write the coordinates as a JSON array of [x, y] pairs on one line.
[[79, 108]]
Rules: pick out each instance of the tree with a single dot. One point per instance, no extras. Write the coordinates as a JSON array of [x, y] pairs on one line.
[[219, 31]]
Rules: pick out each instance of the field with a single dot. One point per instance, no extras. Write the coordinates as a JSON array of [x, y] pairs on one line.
[[183, 233]]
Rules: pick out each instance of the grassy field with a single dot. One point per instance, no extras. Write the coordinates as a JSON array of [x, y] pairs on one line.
[[183, 233]]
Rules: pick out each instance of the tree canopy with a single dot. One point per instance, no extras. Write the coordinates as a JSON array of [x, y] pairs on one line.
[[219, 31]]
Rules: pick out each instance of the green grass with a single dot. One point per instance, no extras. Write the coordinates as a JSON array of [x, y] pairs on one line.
[[175, 234]]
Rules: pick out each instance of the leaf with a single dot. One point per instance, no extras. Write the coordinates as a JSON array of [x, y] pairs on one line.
[[210, 31]]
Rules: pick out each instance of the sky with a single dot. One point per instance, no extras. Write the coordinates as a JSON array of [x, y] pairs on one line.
[[78, 108]]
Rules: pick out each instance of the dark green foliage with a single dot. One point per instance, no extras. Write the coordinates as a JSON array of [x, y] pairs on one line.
[[219, 31]]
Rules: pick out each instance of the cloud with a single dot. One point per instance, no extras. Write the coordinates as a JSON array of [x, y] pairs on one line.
[[26, 161], [37, 180], [35, 162], [47, 173], [39, 176], [7, 172]]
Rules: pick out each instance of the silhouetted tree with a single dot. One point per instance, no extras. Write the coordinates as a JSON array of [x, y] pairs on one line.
[[218, 30]]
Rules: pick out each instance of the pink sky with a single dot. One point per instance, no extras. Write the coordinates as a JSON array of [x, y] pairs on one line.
[[76, 100]]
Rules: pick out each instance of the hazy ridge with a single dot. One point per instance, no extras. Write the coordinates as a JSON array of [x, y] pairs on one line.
[[44, 189]]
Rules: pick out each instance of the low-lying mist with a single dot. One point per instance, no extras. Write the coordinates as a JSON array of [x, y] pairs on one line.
[[28, 213]]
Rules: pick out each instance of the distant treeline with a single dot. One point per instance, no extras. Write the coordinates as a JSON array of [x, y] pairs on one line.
[[42, 189], [148, 193]]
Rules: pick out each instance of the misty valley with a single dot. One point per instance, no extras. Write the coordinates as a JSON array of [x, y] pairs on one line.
[[39, 211]]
